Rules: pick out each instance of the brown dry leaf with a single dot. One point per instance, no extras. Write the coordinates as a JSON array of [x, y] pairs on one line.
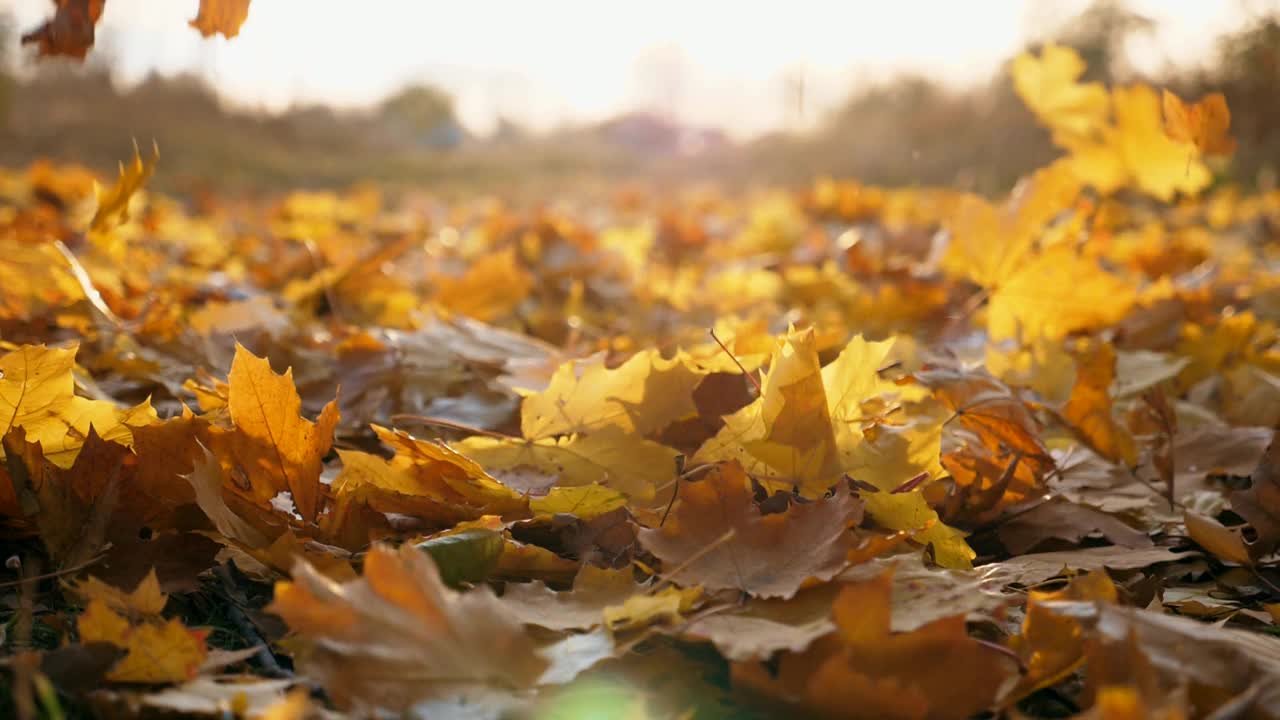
[[271, 443], [208, 480], [866, 671], [1089, 412], [221, 16], [398, 636], [1061, 520], [70, 31], [77, 510], [759, 628], [155, 653], [1224, 667], [1206, 123], [580, 608], [1259, 504], [1033, 569], [1125, 686], [718, 538], [1221, 542]]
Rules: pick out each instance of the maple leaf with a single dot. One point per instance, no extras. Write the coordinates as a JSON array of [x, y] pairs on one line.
[[78, 510], [865, 670], [579, 608], [1050, 86], [221, 16], [398, 635], [1204, 124], [1259, 504], [155, 653], [611, 458], [113, 205], [990, 244], [144, 600], [787, 431], [271, 442], [492, 287], [449, 475], [70, 31], [643, 395], [1088, 412], [1051, 645], [1136, 152], [717, 538], [1057, 293], [37, 394]]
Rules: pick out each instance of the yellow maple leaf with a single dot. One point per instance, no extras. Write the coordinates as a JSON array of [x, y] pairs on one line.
[[1088, 412], [1057, 293], [113, 205], [37, 394], [221, 16], [643, 395], [1135, 151], [1050, 85], [618, 460], [1206, 123], [990, 244], [154, 653], [648, 609], [492, 287], [278, 448], [145, 599], [787, 438]]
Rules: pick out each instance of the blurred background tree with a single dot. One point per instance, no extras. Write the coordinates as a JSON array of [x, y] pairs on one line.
[[902, 131]]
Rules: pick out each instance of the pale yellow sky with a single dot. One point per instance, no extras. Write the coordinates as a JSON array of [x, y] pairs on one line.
[[726, 63]]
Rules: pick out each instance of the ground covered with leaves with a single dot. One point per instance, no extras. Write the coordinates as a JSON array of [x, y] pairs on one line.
[[855, 451]]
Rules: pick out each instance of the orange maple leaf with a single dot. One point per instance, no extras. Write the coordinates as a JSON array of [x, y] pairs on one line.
[[1204, 123], [221, 16]]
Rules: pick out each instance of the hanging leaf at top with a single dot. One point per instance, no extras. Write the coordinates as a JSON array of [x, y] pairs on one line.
[[70, 32], [221, 17]]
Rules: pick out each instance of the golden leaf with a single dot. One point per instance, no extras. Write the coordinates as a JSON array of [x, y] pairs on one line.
[[275, 446], [221, 16], [113, 205], [1206, 123], [167, 653]]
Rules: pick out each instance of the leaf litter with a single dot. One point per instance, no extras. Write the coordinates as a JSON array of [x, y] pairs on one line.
[[307, 458]]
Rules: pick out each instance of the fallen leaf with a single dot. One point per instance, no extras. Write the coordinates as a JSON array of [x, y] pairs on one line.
[[717, 538], [579, 608], [278, 448], [398, 635], [1219, 541], [1089, 412], [155, 653]]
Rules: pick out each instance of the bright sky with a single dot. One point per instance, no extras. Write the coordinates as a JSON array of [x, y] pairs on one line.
[[726, 63]]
